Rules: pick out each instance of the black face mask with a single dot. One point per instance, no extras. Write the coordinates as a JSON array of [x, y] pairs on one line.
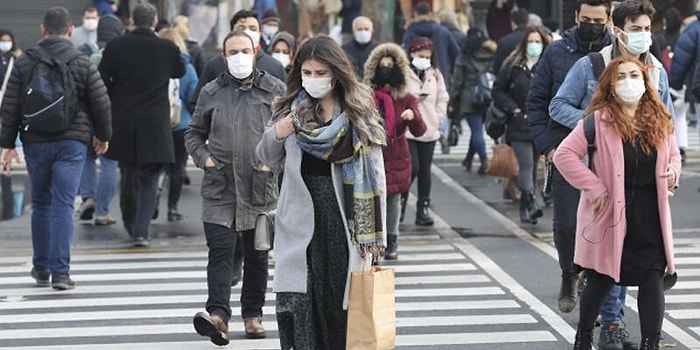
[[589, 32], [388, 75]]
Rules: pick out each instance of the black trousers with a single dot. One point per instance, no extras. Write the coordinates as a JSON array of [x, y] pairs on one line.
[[137, 196], [222, 241], [421, 161], [176, 171]]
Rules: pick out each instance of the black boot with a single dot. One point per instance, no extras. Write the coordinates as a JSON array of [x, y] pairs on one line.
[[524, 213], [391, 246], [422, 215], [467, 162], [584, 339], [534, 212], [650, 343], [483, 166], [404, 198]]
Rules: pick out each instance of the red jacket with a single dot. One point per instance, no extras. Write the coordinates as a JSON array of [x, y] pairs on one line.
[[397, 157]]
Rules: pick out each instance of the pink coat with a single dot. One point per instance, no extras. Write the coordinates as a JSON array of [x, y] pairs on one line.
[[600, 236]]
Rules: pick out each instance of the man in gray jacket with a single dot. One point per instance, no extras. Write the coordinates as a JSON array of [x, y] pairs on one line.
[[227, 124]]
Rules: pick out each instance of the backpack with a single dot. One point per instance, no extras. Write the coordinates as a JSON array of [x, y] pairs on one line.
[[481, 91], [175, 101], [598, 63], [50, 100], [589, 131]]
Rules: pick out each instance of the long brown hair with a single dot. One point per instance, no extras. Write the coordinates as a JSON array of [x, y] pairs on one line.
[[652, 122], [521, 50], [356, 99]]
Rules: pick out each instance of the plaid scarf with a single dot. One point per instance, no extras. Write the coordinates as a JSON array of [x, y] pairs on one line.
[[339, 143]]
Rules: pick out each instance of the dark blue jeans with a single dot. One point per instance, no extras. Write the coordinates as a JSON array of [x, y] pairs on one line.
[[477, 144], [222, 241], [99, 187], [54, 173], [565, 208]]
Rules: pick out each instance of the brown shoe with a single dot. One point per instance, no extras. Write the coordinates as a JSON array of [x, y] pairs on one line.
[[254, 328], [211, 326]]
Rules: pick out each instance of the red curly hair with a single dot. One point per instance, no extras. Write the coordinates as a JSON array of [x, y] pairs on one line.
[[652, 123]]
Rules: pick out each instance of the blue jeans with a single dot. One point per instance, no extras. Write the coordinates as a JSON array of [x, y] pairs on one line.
[[54, 172], [100, 188], [566, 199], [477, 145]]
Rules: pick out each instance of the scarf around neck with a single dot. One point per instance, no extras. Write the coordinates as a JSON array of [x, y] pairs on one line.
[[339, 143]]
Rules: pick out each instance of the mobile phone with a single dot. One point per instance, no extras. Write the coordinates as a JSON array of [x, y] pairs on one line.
[[423, 94]]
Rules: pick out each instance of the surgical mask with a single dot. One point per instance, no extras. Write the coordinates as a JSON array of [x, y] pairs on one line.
[[5, 46], [269, 30], [534, 49], [317, 87], [282, 58], [421, 63], [630, 90], [253, 35], [90, 24], [363, 36], [637, 42], [589, 32], [240, 65]]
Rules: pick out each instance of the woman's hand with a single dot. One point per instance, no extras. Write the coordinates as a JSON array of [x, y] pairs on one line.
[[408, 114], [599, 203], [284, 127], [670, 176]]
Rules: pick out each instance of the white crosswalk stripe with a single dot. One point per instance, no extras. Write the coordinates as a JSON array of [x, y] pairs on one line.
[[147, 300]]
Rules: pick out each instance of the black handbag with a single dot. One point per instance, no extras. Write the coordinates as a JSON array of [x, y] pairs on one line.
[[495, 123], [453, 132]]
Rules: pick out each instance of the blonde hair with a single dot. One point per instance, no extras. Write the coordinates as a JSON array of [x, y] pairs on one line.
[[172, 35], [182, 25]]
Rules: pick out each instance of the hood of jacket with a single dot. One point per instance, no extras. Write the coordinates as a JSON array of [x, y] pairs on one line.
[[423, 25], [59, 47], [399, 55], [109, 27], [574, 43]]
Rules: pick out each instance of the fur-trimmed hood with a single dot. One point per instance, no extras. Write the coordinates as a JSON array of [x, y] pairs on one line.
[[421, 18], [399, 55]]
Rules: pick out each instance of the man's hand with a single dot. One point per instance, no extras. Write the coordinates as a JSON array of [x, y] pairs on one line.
[[6, 158], [100, 146], [284, 127]]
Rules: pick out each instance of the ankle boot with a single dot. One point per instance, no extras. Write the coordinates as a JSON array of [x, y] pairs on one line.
[[422, 215], [584, 339], [649, 343], [391, 247], [404, 198], [467, 162], [483, 166], [524, 213], [534, 212]]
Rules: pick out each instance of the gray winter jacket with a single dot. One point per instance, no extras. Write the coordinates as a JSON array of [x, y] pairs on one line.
[[227, 125]]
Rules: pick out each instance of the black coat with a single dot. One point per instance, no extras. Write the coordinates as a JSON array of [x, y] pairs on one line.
[[136, 68], [510, 93], [358, 54], [93, 110]]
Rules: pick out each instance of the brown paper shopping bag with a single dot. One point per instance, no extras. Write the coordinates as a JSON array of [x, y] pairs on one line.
[[372, 310]]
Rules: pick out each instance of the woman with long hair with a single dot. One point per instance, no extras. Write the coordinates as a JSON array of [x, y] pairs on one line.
[[9, 51], [510, 95], [623, 228], [327, 137], [386, 71]]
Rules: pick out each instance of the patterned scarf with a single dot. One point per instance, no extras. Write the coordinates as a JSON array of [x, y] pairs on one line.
[[339, 143]]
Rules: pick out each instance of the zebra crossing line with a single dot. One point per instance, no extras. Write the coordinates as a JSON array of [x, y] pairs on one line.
[[147, 300]]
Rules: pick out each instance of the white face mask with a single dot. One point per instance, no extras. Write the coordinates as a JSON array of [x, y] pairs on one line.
[[630, 90], [363, 36], [5, 46], [253, 35], [421, 63], [637, 42], [269, 30], [317, 87], [90, 24], [240, 65], [282, 58]]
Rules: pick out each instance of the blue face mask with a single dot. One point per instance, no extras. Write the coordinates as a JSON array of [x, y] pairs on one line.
[[534, 49]]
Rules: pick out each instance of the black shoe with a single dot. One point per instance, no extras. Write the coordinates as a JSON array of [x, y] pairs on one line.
[[584, 340], [173, 215], [568, 293], [62, 282], [391, 248], [483, 166], [186, 180], [155, 213], [422, 215], [41, 277], [611, 337], [683, 156], [211, 326], [467, 162], [141, 242]]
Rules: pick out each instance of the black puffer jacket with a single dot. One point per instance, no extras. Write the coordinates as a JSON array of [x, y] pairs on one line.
[[94, 104], [510, 93]]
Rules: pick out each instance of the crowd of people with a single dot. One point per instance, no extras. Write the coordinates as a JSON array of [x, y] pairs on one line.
[[339, 132]]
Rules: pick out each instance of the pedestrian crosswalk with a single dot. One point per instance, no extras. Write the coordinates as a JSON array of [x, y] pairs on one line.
[[145, 299]]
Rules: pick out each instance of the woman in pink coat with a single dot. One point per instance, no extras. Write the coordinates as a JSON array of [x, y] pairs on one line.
[[623, 232]]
